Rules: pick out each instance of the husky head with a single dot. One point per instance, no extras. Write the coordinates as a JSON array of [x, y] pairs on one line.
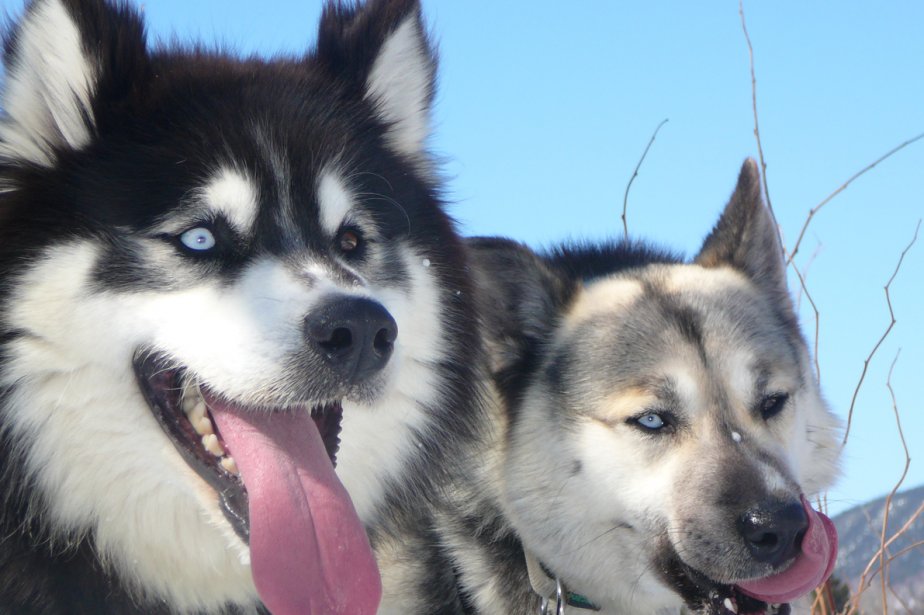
[[665, 423], [200, 255]]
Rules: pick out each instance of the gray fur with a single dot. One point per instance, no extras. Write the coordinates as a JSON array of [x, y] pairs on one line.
[[585, 342]]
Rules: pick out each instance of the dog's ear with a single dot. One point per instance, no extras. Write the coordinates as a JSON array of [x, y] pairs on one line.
[[520, 300], [746, 237], [66, 62], [382, 51]]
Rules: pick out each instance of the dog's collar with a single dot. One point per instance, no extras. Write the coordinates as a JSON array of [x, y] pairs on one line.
[[551, 589]]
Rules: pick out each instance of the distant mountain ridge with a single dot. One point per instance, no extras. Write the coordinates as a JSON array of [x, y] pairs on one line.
[[859, 530]]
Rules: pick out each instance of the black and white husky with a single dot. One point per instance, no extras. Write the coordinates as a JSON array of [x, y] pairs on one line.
[[216, 273], [658, 432]]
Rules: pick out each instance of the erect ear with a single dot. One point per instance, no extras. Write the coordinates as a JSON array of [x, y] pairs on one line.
[[746, 236], [383, 51], [520, 300], [63, 60]]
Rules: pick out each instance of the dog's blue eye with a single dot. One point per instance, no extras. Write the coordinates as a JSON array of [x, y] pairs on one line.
[[199, 239], [651, 421]]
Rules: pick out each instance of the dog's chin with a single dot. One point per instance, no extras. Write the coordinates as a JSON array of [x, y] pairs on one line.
[[705, 596], [182, 408]]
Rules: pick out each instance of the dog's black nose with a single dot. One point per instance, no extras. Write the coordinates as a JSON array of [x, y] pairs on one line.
[[773, 531], [354, 335]]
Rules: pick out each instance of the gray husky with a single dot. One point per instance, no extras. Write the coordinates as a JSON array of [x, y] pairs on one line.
[[659, 430]]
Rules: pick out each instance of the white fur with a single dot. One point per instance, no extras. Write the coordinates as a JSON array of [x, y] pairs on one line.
[[399, 84], [48, 88], [568, 522], [334, 200], [234, 195], [93, 437], [92, 434], [616, 295], [377, 441], [102, 464]]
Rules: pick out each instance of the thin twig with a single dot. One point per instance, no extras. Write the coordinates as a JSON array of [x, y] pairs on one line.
[[760, 149], [820, 603], [911, 547], [805, 272], [808, 296], [814, 210], [625, 199], [864, 582], [901, 602], [883, 565], [885, 334], [763, 166]]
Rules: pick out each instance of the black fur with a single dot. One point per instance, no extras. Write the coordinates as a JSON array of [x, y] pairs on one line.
[[160, 122]]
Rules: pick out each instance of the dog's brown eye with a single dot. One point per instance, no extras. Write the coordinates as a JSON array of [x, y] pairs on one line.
[[348, 241], [771, 405]]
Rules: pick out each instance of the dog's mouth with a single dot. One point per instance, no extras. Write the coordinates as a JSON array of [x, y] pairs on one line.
[[707, 597], [273, 472], [184, 410], [769, 595]]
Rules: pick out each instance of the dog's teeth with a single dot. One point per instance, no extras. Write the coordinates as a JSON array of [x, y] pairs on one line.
[[730, 605], [197, 412], [212, 445], [189, 402], [191, 396], [203, 426], [230, 465]]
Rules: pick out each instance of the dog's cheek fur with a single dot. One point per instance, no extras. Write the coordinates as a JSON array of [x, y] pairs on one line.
[[586, 502], [89, 435], [817, 462], [376, 443]]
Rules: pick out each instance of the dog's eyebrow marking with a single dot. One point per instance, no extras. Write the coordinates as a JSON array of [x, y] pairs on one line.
[[235, 196], [334, 200]]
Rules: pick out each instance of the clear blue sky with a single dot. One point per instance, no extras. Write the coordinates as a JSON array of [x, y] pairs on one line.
[[545, 107]]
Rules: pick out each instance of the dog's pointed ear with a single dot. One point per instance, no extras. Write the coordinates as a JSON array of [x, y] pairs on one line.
[[65, 60], [520, 300], [382, 51], [746, 236]]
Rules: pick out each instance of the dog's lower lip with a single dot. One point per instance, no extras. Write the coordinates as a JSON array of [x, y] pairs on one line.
[[704, 595]]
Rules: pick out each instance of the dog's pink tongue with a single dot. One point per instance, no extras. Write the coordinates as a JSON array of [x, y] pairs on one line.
[[308, 550], [812, 567]]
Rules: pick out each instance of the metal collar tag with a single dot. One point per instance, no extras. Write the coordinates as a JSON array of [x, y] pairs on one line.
[[552, 590]]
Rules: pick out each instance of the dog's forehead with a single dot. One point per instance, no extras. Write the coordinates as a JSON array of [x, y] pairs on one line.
[[671, 325], [292, 178], [238, 137], [234, 194]]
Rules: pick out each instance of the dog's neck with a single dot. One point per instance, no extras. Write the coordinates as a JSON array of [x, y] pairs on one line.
[[552, 590]]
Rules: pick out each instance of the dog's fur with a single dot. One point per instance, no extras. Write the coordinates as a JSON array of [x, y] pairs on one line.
[[110, 153], [645, 405]]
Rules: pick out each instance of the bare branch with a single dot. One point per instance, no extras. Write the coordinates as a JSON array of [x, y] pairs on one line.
[[805, 272], [885, 334], [864, 581], [625, 199], [909, 548], [808, 296], [760, 149], [883, 564], [763, 166], [814, 210]]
